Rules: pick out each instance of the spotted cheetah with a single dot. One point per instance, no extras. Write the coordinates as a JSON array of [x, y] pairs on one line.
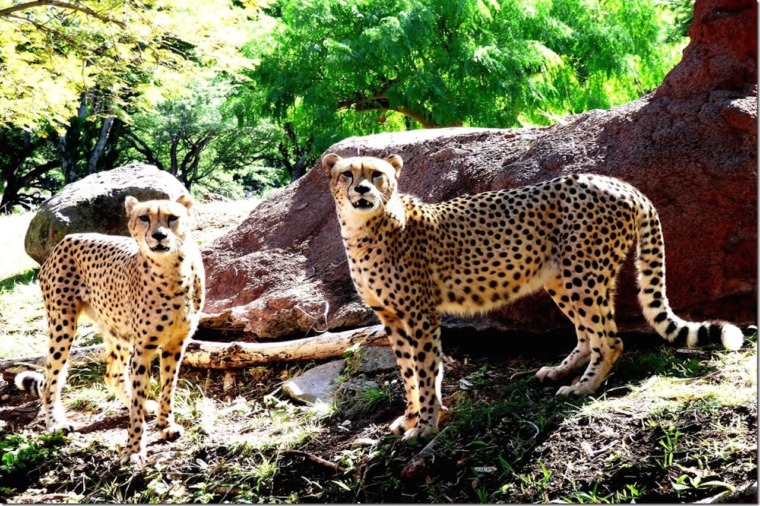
[[412, 261], [144, 293]]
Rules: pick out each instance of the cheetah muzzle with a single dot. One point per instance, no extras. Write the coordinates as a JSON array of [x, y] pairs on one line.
[[145, 292], [411, 262]]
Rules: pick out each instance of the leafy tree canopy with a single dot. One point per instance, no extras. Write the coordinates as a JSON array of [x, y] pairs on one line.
[[132, 53], [330, 67]]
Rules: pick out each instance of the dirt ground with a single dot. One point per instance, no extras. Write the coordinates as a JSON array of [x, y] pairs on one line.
[[505, 438]]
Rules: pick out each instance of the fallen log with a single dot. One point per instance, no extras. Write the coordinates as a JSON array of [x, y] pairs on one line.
[[78, 356], [217, 355], [211, 355]]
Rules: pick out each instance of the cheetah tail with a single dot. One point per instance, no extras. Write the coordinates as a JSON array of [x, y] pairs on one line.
[[29, 381], [650, 264]]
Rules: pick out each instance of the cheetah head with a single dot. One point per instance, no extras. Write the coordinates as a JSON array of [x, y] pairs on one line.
[[159, 226], [362, 185]]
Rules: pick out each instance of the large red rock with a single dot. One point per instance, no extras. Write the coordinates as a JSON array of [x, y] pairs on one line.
[[691, 146]]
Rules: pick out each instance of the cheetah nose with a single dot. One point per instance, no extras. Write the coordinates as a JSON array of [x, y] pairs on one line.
[[362, 189], [158, 235]]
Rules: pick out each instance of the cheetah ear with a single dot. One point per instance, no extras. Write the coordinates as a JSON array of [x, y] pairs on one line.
[[329, 161], [129, 203], [186, 201], [396, 162]]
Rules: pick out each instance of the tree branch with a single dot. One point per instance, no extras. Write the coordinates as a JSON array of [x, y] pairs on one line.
[[143, 149], [37, 172], [63, 5], [381, 103]]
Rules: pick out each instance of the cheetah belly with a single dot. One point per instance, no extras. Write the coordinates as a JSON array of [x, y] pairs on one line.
[[491, 292]]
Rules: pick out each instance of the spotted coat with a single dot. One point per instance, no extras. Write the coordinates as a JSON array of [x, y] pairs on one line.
[[145, 293], [411, 262]]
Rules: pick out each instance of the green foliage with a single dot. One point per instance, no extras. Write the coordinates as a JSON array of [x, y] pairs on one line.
[[669, 442], [333, 69], [19, 453], [192, 138], [133, 52], [26, 277]]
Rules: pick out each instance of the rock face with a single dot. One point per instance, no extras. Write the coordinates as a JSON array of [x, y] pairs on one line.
[[691, 146], [96, 204]]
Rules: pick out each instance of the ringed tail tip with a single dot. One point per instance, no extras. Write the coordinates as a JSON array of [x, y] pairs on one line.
[[731, 337]]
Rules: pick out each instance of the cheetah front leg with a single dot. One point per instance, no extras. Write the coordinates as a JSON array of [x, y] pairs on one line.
[[139, 375], [398, 335], [171, 357], [427, 357]]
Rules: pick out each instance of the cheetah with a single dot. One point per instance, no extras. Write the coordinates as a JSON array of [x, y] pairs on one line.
[[145, 293], [411, 262]]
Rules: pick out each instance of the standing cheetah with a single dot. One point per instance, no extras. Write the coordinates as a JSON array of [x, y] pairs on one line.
[[412, 261], [144, 292]]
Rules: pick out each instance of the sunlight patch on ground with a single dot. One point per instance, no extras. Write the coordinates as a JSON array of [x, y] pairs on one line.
[[733, 383], [13, 229]]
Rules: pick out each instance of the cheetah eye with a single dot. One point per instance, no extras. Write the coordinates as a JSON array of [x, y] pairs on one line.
[[172, 218], [376, 174], [346, 173], [144, 218]]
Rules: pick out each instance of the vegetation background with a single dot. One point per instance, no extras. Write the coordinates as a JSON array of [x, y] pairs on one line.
[[236, 97]]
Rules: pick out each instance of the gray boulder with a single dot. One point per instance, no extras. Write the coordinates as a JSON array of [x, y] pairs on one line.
[[690, 146], [96, 204]]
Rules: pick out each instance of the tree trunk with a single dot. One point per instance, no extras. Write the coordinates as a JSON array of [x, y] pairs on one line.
[[68, 143], [173, 159], [9, 198], [299, 169], [105, 131]]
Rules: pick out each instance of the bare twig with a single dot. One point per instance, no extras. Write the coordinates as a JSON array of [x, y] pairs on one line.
[[419, 463], [317, 460]]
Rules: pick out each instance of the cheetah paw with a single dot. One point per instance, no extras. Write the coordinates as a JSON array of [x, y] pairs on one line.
[[401, 425], [171, 432], [64, 426], [136, 459], [577, 390], [422, 432], [544, 373]]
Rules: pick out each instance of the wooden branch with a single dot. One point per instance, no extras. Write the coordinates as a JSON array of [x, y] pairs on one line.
[[232, 355], [213, 355], [63, 5], [381, 103], [419, 464], [317, 460]]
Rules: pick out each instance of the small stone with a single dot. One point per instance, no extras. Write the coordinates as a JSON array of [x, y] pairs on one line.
[[363, 441], [315, 385]]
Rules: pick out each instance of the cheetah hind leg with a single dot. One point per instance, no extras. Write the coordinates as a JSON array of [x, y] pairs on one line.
[[117, 379], [577, 358], [56, 365], [606, 348]]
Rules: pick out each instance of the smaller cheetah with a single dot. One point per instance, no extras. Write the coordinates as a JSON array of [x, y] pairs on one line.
[[145, 293], [412, 261]]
